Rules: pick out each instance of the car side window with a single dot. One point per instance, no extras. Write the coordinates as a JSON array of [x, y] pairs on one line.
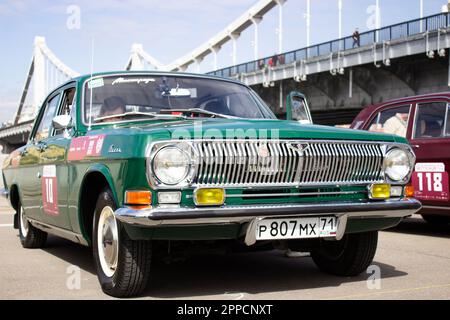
[[392, 121], [430, 120], [67, 106], [45, 125]]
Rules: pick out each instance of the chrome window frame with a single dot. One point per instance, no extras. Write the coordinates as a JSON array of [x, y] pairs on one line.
[[55, 94], [68, 86], [447, 114], [259, 102]]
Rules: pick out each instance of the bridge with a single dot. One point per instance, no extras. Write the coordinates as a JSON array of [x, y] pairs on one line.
[[338, 77], [45, 73]]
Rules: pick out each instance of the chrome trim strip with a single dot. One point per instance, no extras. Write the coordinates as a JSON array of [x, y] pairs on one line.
[[66, 234], [182, 216], [296, 194], [446, 121]]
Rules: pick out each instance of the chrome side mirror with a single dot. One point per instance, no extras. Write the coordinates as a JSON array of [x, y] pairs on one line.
[[62, 122], [297, 108]]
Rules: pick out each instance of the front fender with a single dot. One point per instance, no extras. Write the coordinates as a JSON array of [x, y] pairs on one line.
[[106, 173], [85, 203]]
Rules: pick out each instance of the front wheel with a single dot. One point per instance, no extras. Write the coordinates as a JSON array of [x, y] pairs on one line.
[[123, 265], [30, 237], [347, 257]]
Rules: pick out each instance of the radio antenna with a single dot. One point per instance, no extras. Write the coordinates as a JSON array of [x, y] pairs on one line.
[[91, 84]]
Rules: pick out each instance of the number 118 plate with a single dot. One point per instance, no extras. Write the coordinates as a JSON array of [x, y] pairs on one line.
[[296, 228]]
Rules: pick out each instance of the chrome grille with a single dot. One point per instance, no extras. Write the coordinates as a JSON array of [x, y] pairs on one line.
[[237, 163]]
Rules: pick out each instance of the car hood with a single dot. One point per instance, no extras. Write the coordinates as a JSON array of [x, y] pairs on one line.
[[243, 128]]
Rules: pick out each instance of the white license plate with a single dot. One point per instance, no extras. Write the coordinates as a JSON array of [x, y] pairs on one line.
[[297, 228]]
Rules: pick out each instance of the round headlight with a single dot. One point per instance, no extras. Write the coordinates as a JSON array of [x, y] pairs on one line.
[[171, 165], [397, 164]]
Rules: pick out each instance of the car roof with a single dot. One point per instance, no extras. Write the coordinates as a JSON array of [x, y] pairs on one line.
[[375, 107]]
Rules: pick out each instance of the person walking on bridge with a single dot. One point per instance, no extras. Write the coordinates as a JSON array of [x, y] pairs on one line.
[[356, 38]]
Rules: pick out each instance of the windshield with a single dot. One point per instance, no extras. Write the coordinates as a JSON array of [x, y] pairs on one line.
[[131, 97]]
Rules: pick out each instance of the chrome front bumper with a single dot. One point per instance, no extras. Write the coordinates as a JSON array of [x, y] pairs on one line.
[[182, 216]]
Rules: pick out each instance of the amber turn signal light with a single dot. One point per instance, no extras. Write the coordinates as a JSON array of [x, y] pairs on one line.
[[409, 191], [138, 198]]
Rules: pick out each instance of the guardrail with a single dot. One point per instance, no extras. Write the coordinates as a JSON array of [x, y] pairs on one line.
[[389, 33]]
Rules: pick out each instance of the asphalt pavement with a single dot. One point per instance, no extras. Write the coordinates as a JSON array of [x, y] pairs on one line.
[[413, 261]]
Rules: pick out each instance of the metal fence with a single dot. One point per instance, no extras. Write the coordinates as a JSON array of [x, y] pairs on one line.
[[389, 33]]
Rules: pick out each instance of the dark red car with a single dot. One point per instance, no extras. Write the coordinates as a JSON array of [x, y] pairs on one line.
[[425, 122]]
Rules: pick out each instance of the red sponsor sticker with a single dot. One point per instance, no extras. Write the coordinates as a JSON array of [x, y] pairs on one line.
[[431, 186], [90, 146], [49, 186]]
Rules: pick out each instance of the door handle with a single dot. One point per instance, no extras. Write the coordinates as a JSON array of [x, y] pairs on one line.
[[416, 146], [23, 152], [38, 175]]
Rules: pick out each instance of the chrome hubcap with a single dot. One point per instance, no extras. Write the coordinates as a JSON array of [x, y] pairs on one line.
[[23, 223], [108, 241]]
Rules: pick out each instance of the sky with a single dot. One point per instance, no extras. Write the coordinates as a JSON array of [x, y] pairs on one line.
[[168, 29]]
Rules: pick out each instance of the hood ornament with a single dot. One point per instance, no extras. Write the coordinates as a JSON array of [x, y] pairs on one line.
[[299, 147]]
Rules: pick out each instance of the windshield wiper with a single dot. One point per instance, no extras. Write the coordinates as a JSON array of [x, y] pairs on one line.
[[137, 114], [198, 111]]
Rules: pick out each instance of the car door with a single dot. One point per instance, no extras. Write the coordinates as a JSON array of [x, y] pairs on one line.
[[55, 176], [430, 140], [30, 170]]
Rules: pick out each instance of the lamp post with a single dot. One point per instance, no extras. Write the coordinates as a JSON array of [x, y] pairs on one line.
[[421, 15], [377, 20], [308, 23], [340, 18], [378, 15]]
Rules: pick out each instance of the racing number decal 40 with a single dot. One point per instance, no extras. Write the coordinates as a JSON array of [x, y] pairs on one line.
[[49, 191]]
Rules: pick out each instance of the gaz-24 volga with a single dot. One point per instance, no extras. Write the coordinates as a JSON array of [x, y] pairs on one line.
[[149, 164]]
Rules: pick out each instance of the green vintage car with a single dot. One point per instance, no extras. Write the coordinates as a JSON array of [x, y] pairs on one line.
[[156, 164]]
